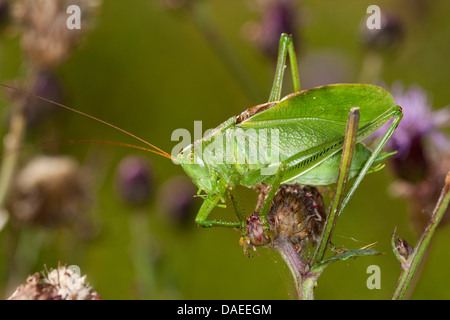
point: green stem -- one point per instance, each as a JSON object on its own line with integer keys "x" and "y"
{"x": 12, "y": 143}
{"x": 304, "y": 280}
{"x": 307, "y": 289}
{"x": 203, "y": 22}
{"x": 296, "y": 265}
{"x": 371, "y": 67}
{"x": 141, "y": 252}
{"x": 422, "y": 244}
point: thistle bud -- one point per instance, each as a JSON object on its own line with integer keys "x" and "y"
{"x": 276, "y": 17}
{"x": 176, "y": 199}
{"x": 390, "y": 33}
{"x": 45, "y": 83}
{"x": 403, "y": 248}
{"x": 257, "y": 236}
{"x": 134, "y": 180}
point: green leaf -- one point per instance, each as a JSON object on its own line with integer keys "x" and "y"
{"x": 342, "y": 257}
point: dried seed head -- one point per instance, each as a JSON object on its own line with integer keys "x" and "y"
{"x": 46, "y": 38}
{"x": 49, "y": 191}
{"x": 297, "y": 214}
{"x": 59, "y": 284}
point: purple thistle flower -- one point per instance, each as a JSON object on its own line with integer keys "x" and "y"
{"x": 418, "y": 133}
{"x": 45, "y": 83}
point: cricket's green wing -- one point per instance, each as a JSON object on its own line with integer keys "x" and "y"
{"x": 326, "y": 172}
{"x": 310, "y": 120}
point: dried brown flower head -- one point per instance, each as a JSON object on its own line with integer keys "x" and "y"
{"x": 46, "y": 38}
{"x": 297, "y": 215}
{"x": 49, "y": 191}
{"x": 58, "y": 284}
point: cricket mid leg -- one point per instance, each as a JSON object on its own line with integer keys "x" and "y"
{"x": 237, "y": 204}
{"x": 286, "y": 47}
{"x": 208, "y": 205}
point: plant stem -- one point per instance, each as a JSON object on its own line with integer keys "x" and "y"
{"x": 296, "y": 264}
{"x": 372, "y": 65}
{"x": 12, "y": 143}
{"x": 203, "y": 22}
{"x": 142, "y": 251}
{"x": 305, "y": 281}
{"x": 306, "y": 291}
{"x": 423, "y": 242}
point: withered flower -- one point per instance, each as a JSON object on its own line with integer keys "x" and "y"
{"x": 58, "y": 284}
{"x": 49, "y": 191}
{"x": 297, "y": 214}
{"x": 46, "y": 38}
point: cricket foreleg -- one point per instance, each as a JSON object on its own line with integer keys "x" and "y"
{"x": 208, "y": 205}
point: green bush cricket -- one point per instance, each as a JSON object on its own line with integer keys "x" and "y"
{"x": 311, "y": 127}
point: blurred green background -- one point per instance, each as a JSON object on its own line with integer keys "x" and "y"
{"x": 150, "y": 69}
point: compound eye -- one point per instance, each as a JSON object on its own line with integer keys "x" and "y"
{"x": 191, "y": 157}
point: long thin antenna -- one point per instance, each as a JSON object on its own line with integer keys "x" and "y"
{"x": 114, "y": 143}
{"x": 161, "y": 152}
{"x": 88, "y": 141}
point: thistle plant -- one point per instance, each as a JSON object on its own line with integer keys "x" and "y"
{"x": 291, "y": 219}
{"x": 62, "y": 283}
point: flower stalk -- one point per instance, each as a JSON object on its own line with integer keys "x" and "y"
{"x": 409, "y": 267}
{"x": 12, "y": 143}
